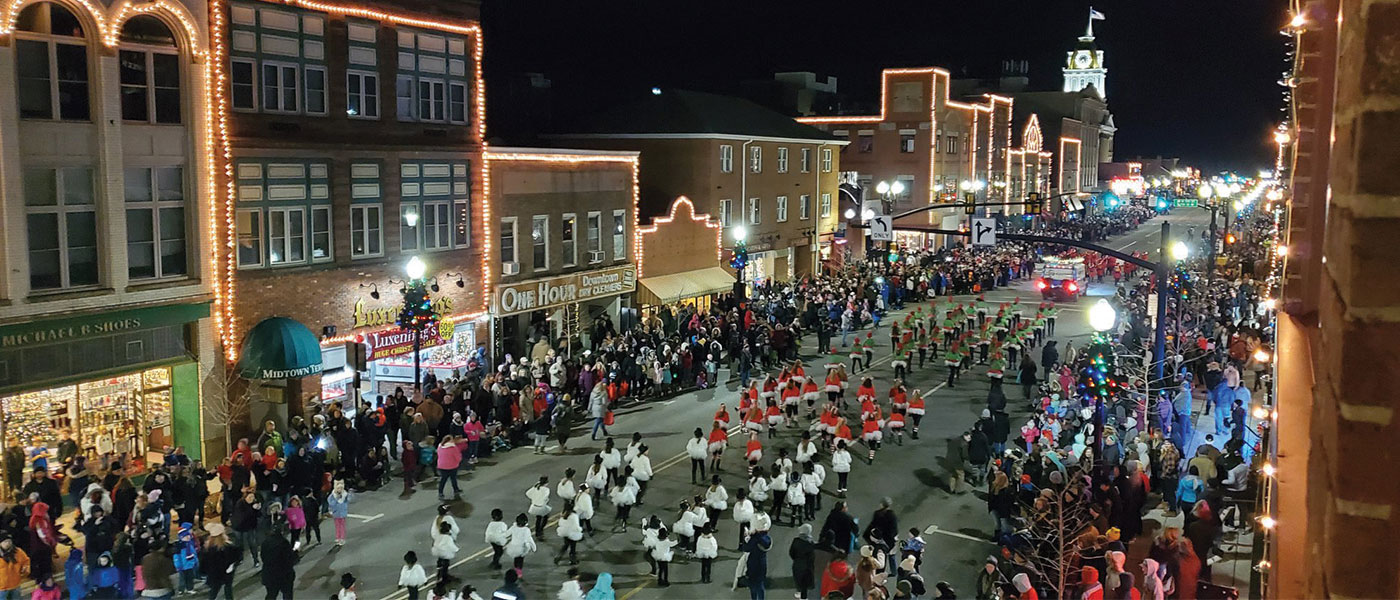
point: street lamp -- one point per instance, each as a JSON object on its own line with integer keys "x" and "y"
{"x": 888, "y": 191}
{"x": 740, "y": 261}
{"x": 1180, "y": 251}
{"x": 417, "y": 314}
{"x": 850, "y": 213}
{"x": 1102, "y": 316}
{"x": 1203, "y": 191}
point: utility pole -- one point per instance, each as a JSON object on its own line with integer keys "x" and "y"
{"x": 1210, "y": 252}
{"x": 1163, "y": 270}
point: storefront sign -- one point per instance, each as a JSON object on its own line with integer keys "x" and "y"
{"x": 367, "y": 316}
{"x": 565, "y": 289}
{"x": 394, "y": 342}
{"x": 108, "y": 323}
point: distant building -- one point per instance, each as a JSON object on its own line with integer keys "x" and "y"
{"x": 741, "y": 163}
{"x": 795, "y": 93}
{"x": 1084, "y": 66}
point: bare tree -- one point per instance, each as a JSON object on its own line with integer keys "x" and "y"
{"x": 1053, "y": 533}
{"x": 227, "y": 398}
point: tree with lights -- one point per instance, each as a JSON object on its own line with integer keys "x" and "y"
{"x": 417, "y": 314}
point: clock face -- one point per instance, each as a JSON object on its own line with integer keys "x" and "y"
{"x": 1081, "y": 60}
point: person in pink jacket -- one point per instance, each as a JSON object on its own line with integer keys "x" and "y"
{"x": 449, "y": 458}
{"x": 474, "y": 431}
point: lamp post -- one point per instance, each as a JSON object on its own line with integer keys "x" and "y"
{"x": 740, "y": 261}
{"x": 1205, "y": 192}
{"x": 888, "y": 191}
{"x": 1102, "y": 318}
{"x": 417, "y": 313}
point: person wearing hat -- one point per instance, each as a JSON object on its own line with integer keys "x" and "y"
{"x": 1026, "y": 591}
{"x": 988, "y": 579}
{"x": 347, "y": 587}
{"x": 1089, "y": 586}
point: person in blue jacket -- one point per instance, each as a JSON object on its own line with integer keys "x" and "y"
{"x": 186, "y": 557}
{"x": 74, "y": 576}
{"x": 103, "y": 580}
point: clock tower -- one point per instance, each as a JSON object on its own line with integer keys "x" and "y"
{"x": 1084, "y": 66}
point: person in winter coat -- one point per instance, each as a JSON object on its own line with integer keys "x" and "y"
{"x": 1152, "y": 587}
{"x": 497, "y": 536}
{"x": 841, "y": 465}
{"x": 707, "y": 550}
{"x": 756, "y": 567}
{"x": 185, "y": 554}
{"x": 411, "y": 575}
{"x": 279, "y": 562}
{"x": 338, "y": 506}
{"x": 802, "y": 552}
{"x": 449, "y": 459}
{"x": 840, "y": 528}
{"x": 1089, "y": 586}
{"x": 75, "y": 575}
{"x": 100, "y": 532}
{"x": 218, "y": 560}
{"x": 1119, "y": 584}
{"x": 520, "y": 542}
{"x": 14, "y": 567}
{"x": 444, "y": 536}
{"x": 602, "y": 588}
{"x": 570, "y": 531}
{"x": 598, "y": 408}
{"x": 696, "y": 448}
{"x": 988, "y": 580}
{"x": 838, "y": 578}
{"x": 1022, "y": 583}
{"x": 662, "y": 551}
{"x": 642, "y": 471}
{"x": 157, "y": 570}
{"x": 103, "y": 579}
{"x": 538, "y": 496}
{"x": 43, "y": 539}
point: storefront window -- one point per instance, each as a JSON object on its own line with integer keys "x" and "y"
{"x": 126, "y": 414}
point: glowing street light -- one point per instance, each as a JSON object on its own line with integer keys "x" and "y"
{"x": 1102, "y": 316}
{"x": 1180, "y": 251}
{"x": 740, "y": 233}
{"x": 1204, "y": 192}
{"x": 415, "y": 268}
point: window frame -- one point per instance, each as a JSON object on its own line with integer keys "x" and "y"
{"x": 568, "y": 222}
{"x": 433, "y": 102}
{"x": 255, "y": 89}
{"x": 826, "y": 160}
{"x": 51, "y": 42}
{"x": 806, "y": 160}
{"x": 153, "y": 206}
{"x": 782, "y": 208}
{"x": 726, "y": 207}
{"x": 364, "y": 224}
{"x": 756, "y": 159}
{"x": 825, "y": 208}
{"x": 280, "y": 65}
{"x": 593, "y": 235}
{"x": 306, "y": 90}
{"x": 726, "y": 158}
{"x": 755, "y": 211}
{"x": 430, "y": 207}
{"x": 260, "y": 239}
{"x": 782, "y": 159}
{"x": 365, "y": 93}
{"x": 619, "y": 249}
{"x": 61, "y": 210}
{"x": 287, "y": 222}
{"x": 311, "y": 234}
{"x": 513, "y": 227}
{"x": 804, "y": 207}
{"x": 907, "y": 143}
{"x": 148, "y": 53}
{"x": 417, "y": 226}
{"x": 541, "y": 223}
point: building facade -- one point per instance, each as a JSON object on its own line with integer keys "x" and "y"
{"x": 939, "y": 149}
{"x": 351, "y": 142}
{"x": 563, "y": 252}
{"x": 106, "y": 288}
{"x": 744, "y": 164}
{"x": 677, "y": 261}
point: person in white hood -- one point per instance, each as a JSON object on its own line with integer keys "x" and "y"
{"x": 539, "y": 504}
{"x": 520, "y": 542}
{"x": 1152, "y": 581}
{"x": 571, "y": 589}
{"x": 95, "y": 495}
{"x": 1022, "y": 582}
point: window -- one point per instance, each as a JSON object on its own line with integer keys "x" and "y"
{"x": 595, "y": 239}
{"x": 279, "y": 87}
{"x": 284, "y": 215}
{"x": 826, "y": 160}
{"x": 508, "y": 251}
{"x": 437, "y": 225}
{"x": 804, "y": 207}
{"x": 433, "y": 81}
{"x": 755, "y": 212}
{"x": 362, "y": 94}
{"x": 906, "y": 142}
{"x": 826, "y": 206}
{"x": 806, "y": 160}
{"x": 725, "y": 206}
{"x": 726, "y": 158}
{"x": 782, "y": 209}
{"x": 366, "y": 230}
{"x": 539, "y": 241}
{"x": 61, "y": 223}
{"x": 277, "y": 60}
{"x": 150, "y": 84}
{"x": 286, "y": 235}
{"x": 865, "y": 143}
{"x": 438, "y": 193}
{"x": 243, "y": 95}
{"x": 155, "y": 222}
{"x": 619, "y": 234}
{"x": 782, "y": 160}
{"x": 952, "y": 144}
{"x": 756, "y": 159}
{"x": 51, "y": 64}
{"x": 568, "y": 233}
{"x": 432, "y": 100}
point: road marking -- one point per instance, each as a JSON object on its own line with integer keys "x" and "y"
{"x": 932, "y": 529}
{"x": 934, "y": 389}
{"x": 1130, "y": 244}
{"x": 633, "y": 591}
{"x": 365, "y": 518}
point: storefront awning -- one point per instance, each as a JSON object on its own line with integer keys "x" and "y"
{"x": 280, "y": 348}
{"x": 665, "y": 289}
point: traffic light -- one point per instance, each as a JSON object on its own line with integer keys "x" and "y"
{"x": 970, "y": 203}
{"x": 1033, "y": 202}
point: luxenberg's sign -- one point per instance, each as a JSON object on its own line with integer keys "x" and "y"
{"x": 557, "y": 291}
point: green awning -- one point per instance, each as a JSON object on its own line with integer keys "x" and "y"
{"x": 280, "y": 348}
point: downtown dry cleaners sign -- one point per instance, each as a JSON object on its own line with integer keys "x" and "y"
{"x": 514, "y": 298}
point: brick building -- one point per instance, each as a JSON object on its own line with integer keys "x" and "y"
{"x": 351, "y": 141}
{"x": 562, "y": 250}
{"x": 939, "y": 148}
{"x": 743, "y": 163}
{"x": 677, "y": 262}
{"x": 105, "y": 288}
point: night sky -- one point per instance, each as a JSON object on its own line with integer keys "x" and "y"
{"x": 1188, "y": 78}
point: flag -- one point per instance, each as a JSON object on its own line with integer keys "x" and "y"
{"x": 1095, "y": 15}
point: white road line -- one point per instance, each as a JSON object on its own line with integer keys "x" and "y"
{"x": 365, "y": 518}
{"x": 932, "y": 529}
{"x": 1130, "y": 244}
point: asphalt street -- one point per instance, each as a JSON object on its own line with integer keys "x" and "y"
{"x": 383, "y": 525}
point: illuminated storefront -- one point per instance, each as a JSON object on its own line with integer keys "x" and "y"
{"x": 562, "y": 306}
{"x": 120, "y": 383}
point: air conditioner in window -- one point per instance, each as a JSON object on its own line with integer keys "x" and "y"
{"x": 595, "y": 256}
{"x": 510, "y": 268}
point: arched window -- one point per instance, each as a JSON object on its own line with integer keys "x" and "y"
{"x": 150, "y": 71}
{"x": 51, "y": 61}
